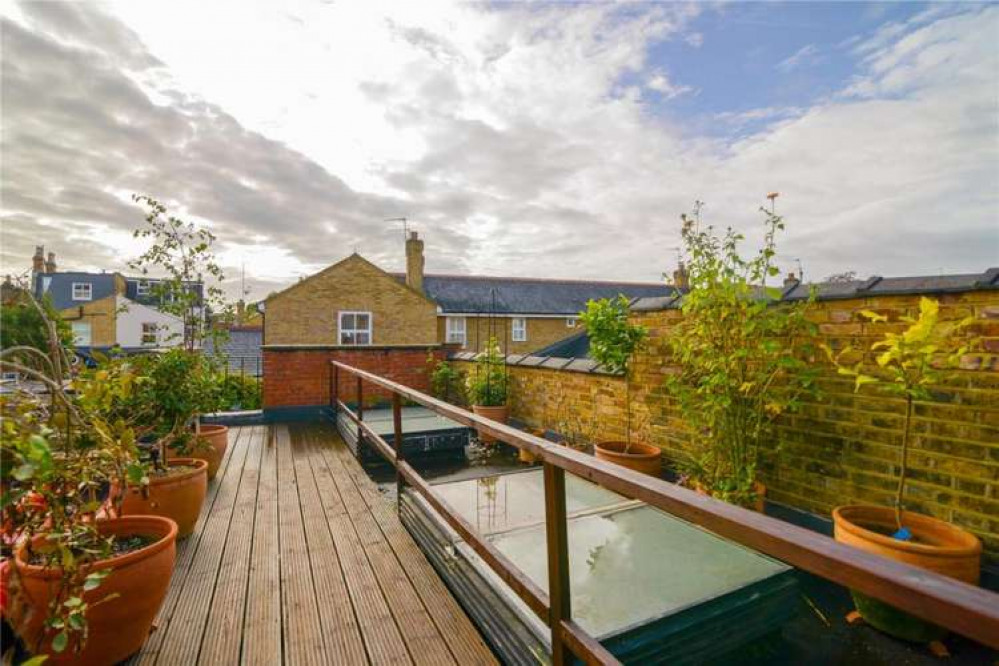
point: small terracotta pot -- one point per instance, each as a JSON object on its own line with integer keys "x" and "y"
{"x": 178, "y": 497}
{"x": 499, "y": 413}
{"x": 211, "y": 448}
{"x": 758, "y": 504}
{"x": 936, "y": 546}
{"x": 640, "y": 457}
{"x": 118, "y": 627}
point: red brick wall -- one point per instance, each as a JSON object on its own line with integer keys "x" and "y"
{"x": 301, "y": 377}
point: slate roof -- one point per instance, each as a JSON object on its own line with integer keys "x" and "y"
{"x": 243, "y": 350}
{"x": 59, "y": 287}
{"x": 475, "y": 294}
{"x": 576, "y": 345}
{"x": 869, "y": 288}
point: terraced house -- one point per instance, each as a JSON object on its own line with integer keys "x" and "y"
{"x": 106, "y": 310}
{"x": 386, "y": 320}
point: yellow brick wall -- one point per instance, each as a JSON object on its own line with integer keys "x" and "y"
{"x": 306, "y": 313}
{"x": 841, "y": 449}
{"x": 541, "y": 332}
{"x": 101, "y": 315}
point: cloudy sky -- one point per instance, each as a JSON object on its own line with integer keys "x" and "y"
{"x": 534, "y": 140}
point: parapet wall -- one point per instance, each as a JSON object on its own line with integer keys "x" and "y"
{"x": 841, "y": 449}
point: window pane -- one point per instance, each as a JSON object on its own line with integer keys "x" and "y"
{"x": 362, "y": 322}
{"x": 347, "y": 321}
{"x": 347, "y": 338}
{"x": 363, "y": 339}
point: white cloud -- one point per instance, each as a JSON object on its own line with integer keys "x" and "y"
{"x": 806, "y": 55}
{"x": 661, "y": 83}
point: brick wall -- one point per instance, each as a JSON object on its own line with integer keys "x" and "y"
{"x": 841, "y": 449}
{"x": 541, "y": 332}
{"x": 306, "y": 313}
{"x": 102, "y": 317}
{"x": 300, "y": 377}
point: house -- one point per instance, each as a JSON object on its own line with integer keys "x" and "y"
{"x": 355, "y": 303}
{"x": 391, "y": 322}
{"x": 106, "y": 309}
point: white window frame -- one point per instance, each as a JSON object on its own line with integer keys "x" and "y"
{"x": 86, "y": 291}
{"x": 155, "y": 334}
{"x": 518, "y": 329}
{"x": 77, "y": 340}
{"x": 571, "y": 322}
{"x": 142, "y": 288}
{"x": 341, "y": 329}
{"x": 456, "y": 330}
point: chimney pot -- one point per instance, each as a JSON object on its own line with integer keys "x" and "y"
{"x": 38, "y": 261}
{"x": 414, "y": 262}
{"x": 50, "y": 265}
{"x": 790, "y": 280}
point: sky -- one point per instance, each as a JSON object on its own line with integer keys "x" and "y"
{"x": 535, "y": 140}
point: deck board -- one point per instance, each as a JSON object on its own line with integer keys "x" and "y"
{"x": 297, "y": 559}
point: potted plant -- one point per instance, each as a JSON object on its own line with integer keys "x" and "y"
{"x": 190, "y": 289}
{"x": 907, "y": 365}
{"x": 613, "y": 341}
{"x": 742, "y": 360}
{"x": 77, "y": 589}
{"x": 169, "y": 398}
{"x": 487, "y": 387}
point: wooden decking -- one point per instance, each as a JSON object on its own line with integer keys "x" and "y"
{"x": 297, "y": 559}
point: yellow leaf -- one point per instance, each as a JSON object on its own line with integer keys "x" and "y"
{"x": 873, "y": 316}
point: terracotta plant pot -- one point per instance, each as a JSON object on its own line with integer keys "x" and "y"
{"x": 936, "y": 545}
{"x": 211, "y": 448}
{"x": 640, "y": 457}
{"x": 499, "y": 413}
{"x": 178, "y": 496}
{"x": 758, "y": 504}
{"x": 118, "y": 627}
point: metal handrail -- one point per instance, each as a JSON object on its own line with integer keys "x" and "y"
{"x": 949, "y": 603}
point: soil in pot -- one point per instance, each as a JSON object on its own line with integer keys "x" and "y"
{"x": 936, "y": 545}
{"x": 499, "y": 413}
{"x": 177, "y": 494}
{"x": 640, "y": 457}
{"x": 118, "y": 627}
{"x": 209, "y": 446}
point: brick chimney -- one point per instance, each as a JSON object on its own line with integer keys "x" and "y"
{"x": 414, "y": 262}
{"x": 681, "y": 279}
{"x": 50, "y": 264}
{"x": 38, "y": 261}
{"x": 790, "y": 280}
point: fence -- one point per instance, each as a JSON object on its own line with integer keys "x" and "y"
{"x": 963, "y": 608}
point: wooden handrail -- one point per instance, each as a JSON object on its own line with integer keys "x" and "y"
{"x": 955, "y": 605}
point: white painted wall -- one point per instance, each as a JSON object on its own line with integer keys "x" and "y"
{"x": 131, "y": 317}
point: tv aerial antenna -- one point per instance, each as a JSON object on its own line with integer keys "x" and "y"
{"x": 405, "y": 224}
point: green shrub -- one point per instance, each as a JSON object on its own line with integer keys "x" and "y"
{"x": 487, "y": 383}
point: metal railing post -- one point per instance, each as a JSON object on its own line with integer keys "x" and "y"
{"x": 556, "y": 529}
{"x": 397, "y": 441}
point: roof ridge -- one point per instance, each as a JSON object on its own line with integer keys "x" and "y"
{"x": 550, "y": 280}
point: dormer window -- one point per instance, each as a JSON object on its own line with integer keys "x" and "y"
{"x": 142, "y": 288}
{"x": 83, "y": 291}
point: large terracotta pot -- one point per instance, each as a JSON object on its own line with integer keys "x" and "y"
{"x": 177, "y": 496}
{"x": 211, "y": 448}
{"x": 640, "y": 457}
{"x": 936, "y": 545}
{"x": 500, "y": 413}
{"x": 118, "y": 627}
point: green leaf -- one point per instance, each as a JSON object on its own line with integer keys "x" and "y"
{"x": 60, "y": 641}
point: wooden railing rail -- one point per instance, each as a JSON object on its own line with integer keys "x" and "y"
{"x": 955, "y": 605}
